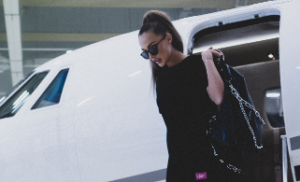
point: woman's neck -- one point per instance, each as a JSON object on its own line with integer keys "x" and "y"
{"x": 175, "y": 57}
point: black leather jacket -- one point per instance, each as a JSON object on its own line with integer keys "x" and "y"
{"x": 232, "y": 128}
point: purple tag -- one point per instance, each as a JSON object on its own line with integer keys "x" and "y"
{"x": 202, "y": 175}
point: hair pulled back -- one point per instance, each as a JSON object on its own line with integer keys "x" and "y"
{"x": 160, "y": 23}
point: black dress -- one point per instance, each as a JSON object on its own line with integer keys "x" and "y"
{"x": 186, "y": 108}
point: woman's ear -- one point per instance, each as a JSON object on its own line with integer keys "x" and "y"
{"x": 169, "y": 38}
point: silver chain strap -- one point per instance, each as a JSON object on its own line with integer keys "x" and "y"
{"x": 241, "y": 102}
{"x": 235, "y": 169}
{"x": 229, "y": 166}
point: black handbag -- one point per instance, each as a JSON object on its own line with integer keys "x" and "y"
{"x": 235, "y": 132}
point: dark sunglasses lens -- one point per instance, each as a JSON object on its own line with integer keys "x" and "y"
{"x": 145, "y": 55}
{"x": 153, "y": 50}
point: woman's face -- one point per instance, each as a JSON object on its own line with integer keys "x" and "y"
{"x": 149, "y": 39}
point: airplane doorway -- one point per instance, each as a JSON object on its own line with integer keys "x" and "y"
{"x": 252, "y": 48}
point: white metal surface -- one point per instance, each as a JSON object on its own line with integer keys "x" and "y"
{"x": 290, "y": 74}
{"x": 284, "y": 159}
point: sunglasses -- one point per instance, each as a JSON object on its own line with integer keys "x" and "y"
{"x": 152, "y": 50}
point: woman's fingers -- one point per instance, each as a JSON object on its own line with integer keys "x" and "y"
{"x": 214, "y": 53}
{"x": 219, "y": 51}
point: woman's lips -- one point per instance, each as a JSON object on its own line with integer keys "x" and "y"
{"x": 157, "y": 61}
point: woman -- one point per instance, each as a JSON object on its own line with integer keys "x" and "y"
{"x": 189, "y": 89}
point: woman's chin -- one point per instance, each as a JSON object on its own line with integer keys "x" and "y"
{"x": 160, "y": 64}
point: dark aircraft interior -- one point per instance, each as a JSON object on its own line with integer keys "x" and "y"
{"x": 252, "y": 48}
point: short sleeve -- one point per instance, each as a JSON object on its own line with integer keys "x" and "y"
{"x": 199, "y": 70}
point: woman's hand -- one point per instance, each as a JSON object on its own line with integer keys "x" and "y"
{"x": 212, "y": 54}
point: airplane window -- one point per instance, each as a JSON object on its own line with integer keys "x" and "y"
{"x": 53, "y": 93}
{"x": 16, "y": 86}
{"x": 273, "y": 106}
{"x": 15, "y": 102}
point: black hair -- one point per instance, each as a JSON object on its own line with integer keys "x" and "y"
{"x": 160, "y": 24}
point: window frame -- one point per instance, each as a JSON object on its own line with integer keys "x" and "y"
{"x": 25, "y": 81}
{"x": 265, "y": 111}
{"x": 52, "y": 75}
{"x": 14, "y": 90}
{"x": 48, "y": 86}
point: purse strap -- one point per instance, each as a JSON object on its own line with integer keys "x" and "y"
{"x": 241, "y": 103}
{"x": 224, "y": 162}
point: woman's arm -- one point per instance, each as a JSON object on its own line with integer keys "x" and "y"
{"x": 215, "y": 87}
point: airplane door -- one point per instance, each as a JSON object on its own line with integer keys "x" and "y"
{"x": 262, "y": 73}
{"x": 290, "y": 76}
